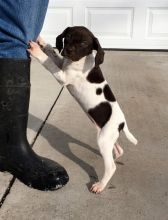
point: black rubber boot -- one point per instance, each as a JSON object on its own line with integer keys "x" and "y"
{"x": 16, "y": 155}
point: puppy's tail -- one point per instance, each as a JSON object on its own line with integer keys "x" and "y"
{"x": 129, "y": 135}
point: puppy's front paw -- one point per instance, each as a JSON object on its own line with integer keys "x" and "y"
{"x": 97, "y": 187}
{"x": 41, "y": 41}
{"x": 36, "y": 52}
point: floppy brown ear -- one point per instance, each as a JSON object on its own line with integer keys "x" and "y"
{"x": 59, "y": 39}
{"x": 99, "y": 58}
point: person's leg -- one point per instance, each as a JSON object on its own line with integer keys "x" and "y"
{"x": 21, "y": 21}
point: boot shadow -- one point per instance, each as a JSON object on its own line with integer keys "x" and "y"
{"x": 60, "y": 141}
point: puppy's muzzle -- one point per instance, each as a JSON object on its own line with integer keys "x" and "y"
{"x": 69, "y": 53}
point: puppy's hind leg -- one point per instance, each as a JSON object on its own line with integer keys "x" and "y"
{"x": 106, "y": 144}
{"x": 117, "y": 151}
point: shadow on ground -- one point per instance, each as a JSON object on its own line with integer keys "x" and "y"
{"x": 52, "y": 134}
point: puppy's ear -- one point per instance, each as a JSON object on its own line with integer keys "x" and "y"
{"x": 59, "y": 39}
{"x": 100, "y": 53}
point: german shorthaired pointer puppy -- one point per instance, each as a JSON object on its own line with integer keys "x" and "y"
{"x": 78, "y": 69}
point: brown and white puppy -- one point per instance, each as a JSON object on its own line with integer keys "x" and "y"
{"x": 78, "y": 69}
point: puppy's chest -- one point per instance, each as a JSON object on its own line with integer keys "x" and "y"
{"x": 74, "y": 74}
{"x": 75, "y": 77}
{"x": 80, "y": 88}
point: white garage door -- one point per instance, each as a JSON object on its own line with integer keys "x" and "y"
{"x": 139, "y": 24}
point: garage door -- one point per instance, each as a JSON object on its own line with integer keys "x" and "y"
{"x": 136, "y": 24}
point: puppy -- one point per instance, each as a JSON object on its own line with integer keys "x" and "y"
{"x": 79, "y": 70}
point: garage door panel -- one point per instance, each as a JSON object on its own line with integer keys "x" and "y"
{"x": 56, "y": 21}
{"x": 116, "y": 23}
{"x": 157, "y": 23}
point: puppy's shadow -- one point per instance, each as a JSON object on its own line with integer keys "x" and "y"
{"x": 60, "y": 141}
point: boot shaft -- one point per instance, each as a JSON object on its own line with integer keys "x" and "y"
{"x": 14, "y": 89}
{"x": 14, "y": 100}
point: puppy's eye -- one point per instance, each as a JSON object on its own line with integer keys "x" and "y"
{"x": 84, "y": 44}
{"x": 68, "y": 36}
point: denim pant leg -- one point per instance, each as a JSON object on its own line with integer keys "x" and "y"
{"x": 20, "y": 22}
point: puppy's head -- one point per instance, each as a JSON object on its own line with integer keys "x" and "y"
{"x": 79, "y": 42}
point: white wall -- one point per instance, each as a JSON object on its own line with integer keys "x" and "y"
{"x": 141, "y": 24}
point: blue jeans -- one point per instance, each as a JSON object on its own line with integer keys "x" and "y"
{"x": 20, "y": 22}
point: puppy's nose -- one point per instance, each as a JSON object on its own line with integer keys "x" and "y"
{"x": 68, "y": 50}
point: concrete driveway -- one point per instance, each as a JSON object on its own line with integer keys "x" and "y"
{"x": 60, "y": 130}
